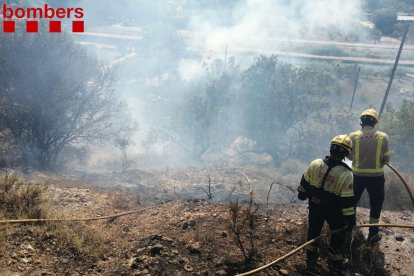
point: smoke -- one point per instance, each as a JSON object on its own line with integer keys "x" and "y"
{"x": 179, "y": 40}
{"x": 259, "y": 25}
{"x": 203, "y": 33}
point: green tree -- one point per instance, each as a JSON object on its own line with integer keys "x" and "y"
{"x": 386, "y": 22}
{"x": 399, "y": 125}
{"x": 202, "y": 121}
{"x": 278, "y": 96}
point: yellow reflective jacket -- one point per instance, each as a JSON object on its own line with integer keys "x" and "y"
{"x": 370, "y": 152}
{"x": 339, "y": 182}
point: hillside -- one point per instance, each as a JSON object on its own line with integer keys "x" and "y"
{"x": 174, "y": 236}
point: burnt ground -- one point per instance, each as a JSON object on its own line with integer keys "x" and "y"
{"x": 181, "y": 234}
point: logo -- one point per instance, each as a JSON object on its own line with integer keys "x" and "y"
{"x": 31, "y": 15}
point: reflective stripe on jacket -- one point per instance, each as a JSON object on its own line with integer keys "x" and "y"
{"x": 338, "y": 182}
{"x": 370, "y": 152}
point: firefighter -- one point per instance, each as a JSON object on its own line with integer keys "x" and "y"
{"x": 370, "y": 153}
{"x": 327, "y": 183}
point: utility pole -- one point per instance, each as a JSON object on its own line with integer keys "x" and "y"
{"x": 225, "y": 57}
{"x": 355, "y": 86}
{"x": 387, "y": 92}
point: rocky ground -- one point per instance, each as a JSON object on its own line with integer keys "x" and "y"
{"x": 177, "y": 235}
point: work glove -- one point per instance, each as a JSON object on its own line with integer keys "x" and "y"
{"x": 302, "y": 196}
{"x": 350, "y": 222}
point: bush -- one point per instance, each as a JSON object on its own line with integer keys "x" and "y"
{"x": 242, "y": 225}
{"x": 19, "y": 199}
{"x": 396, "y": 196}
{"x": 292, "y": 166}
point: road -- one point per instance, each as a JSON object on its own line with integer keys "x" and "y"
{"x": 115, "y": 35}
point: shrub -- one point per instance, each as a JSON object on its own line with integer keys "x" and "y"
{"x": 19, "y": 199}
{"x": 242, "y": 225}
{"x": 396, "y": 196}
{"x": 292, "y": 166}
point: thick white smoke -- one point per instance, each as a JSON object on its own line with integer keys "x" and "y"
{"x": 257, "y": 25}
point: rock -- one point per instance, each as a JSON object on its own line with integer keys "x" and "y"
{"x": 26, "y": 260}
{"x": 132, "y": 263}
{"x": 142, "y": 272}
{"x": 192, "y": 223}
{"x": 289, "y": 241}
{"x": 188, "y": 268}
{"x": 224, "y": 234}
{"x": 399, "y": 238}
{"x": 23, "y": 253}
{"x": 168, "y": 240}
{"x": 155, "y": 238}
{"x": 29, "y": 247}
{"x": 140, "y": 250}
{"x": 184, "y": 260}
{"x": 220, "y": 272}
{"x": 283, "y": 272}
{"x": 211, "y": 256}
{"x": 194, "y": 248}
{"x": 174, "y": 262}
{"x": 219, "y": 261}
{"x": 386, "y": 231}
{"x": 156, "y": 249}
{"x": 184, "y": 226}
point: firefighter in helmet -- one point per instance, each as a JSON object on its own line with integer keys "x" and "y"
{"x": 327, "y": 183}
{"x": 370, "y": 153}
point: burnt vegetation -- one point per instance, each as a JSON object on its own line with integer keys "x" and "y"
{"x": 54, "y": 96}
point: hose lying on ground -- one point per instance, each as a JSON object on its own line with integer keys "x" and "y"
{"x": 11, "y": 221}
{"x": 314, "y": 240}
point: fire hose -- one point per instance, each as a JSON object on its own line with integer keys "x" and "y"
{"x": 245, "y": 273}
{"x": 14, "y": 221}
{"x": 316, "y": 239}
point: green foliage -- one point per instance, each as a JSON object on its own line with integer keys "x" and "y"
{"x": 399, "y": 125}
{"x": 278, "y": 96}
{"x": 204, "y": 117}
{"x": 386, "y": 22}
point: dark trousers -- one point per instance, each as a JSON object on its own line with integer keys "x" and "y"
{"x": 375, "y": 188}
{"x": 318, "y": 214}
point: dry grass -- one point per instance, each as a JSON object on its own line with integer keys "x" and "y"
{"x": 19, "y": 199}
{"x": 396, "y": 195}
{"x": 121, "y": 202}
{"x": 76, "y": 239}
